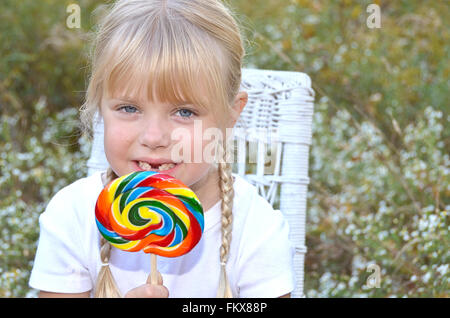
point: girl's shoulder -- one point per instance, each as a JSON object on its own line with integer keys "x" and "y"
{"x": 76, "y": 197}
{"x": 243, "y": 186}
{"x": 249, "y": 204}
{"x": 247, "y": 192}
{"x": 260, "y": 248}
{"x": 89, "y": 186}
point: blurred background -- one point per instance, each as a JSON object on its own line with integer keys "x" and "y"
{"x": 379, "y": 167}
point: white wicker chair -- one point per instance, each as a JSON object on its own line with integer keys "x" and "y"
{"x": 272, "y": 140}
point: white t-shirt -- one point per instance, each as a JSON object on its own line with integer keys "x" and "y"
{"x": 260, "y": 260}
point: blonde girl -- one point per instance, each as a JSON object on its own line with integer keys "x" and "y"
{"x": 159, "y": 66}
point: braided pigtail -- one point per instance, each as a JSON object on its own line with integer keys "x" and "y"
{"x": 227, "y": 195}
{"x": 106, "y": 286}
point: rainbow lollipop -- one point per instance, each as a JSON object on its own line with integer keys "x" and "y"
{"x": 152, "y": 212}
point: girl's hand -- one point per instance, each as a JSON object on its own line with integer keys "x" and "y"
{"x": 149, "y": 291}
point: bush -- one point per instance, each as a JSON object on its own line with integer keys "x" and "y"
{"x": 366, "y": 207}
{"x": 379, "y": 167}
{"x": 41, "y": 71}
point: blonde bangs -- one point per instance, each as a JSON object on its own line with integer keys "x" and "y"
{"x": 168, "y": 64}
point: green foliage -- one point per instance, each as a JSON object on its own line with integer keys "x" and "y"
{"x": 41, "y": 149}
{"x": 381, "y": 115}
{"x": 379, "y": 160}
{"x": 365, "y": 207}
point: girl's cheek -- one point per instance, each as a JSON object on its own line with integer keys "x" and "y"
{"x": 182, "y": 145}
{"x": 195, "y": 149}
{"x": 122, "y": 133}
{"x": 210, "y": 150}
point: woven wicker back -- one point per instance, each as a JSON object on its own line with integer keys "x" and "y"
{"x": 271, "y": 139}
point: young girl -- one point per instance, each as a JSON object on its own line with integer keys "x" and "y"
{"x": 159, "y": 66}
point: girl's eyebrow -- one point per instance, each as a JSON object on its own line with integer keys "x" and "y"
{"x": 183, "y": 103}
{"x": 133, "y": 101}
{"x": 124, "y": 99}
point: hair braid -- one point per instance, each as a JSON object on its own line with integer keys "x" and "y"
{"x": 227, "y": 194}
{"x": 106, "y": 286}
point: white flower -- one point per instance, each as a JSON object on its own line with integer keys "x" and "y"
{"x": 443, "y": 269}
{"x": 426, "y": 277}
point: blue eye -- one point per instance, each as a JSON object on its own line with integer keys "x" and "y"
{"x": 185, "y": 113}
{"x": 128, "y": 109}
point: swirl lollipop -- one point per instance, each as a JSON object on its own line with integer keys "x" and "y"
{"x": 152, "y": 212}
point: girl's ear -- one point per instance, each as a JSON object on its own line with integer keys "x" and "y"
{"x": 239, "y": 103}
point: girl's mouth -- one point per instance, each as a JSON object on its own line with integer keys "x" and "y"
{"x": 165, "y": 167}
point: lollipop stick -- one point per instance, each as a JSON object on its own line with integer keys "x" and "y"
{"x": 154, "y": 270}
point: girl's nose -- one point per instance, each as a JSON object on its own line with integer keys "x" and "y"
{"x": 155, "y": 133}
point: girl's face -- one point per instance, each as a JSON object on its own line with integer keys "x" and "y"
{"x": 150, "y": 135}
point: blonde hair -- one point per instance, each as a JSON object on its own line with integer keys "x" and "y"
{"x": 164, "y": 47}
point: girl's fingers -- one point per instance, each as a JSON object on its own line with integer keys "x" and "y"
{"x": 160, "y": 279}
{"x": 148, "y": 291}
